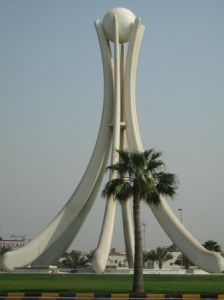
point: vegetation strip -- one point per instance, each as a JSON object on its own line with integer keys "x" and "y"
{"x": 69, "y": 285}
{"x": 64, "y": 295}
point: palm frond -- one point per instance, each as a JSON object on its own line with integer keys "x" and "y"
{"x": 153, "y": 165}
{"x": 123, "y": 191}
{"x": 124, "y": 156}
{"x": 156, "y": 154}
{"x": 110, "y": 187}
{"x": 152, "y": 198}
{"x": 119, "y": 167}
{"x": 148, "y": 153}
{"x": 167, "y": 184}
{"x": 118, "y": 188}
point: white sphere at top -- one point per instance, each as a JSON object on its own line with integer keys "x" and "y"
{"x": 125, "y": 20}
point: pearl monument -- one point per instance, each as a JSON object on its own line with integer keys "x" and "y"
{"x": 120, "y": 35}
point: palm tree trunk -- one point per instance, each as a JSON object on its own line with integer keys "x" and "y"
{"x": 138, "y": 286}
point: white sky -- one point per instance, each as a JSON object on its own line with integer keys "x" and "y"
{"x": 51, "y": 99}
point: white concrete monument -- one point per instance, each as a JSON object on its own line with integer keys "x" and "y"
{"x": 120, "y": 35}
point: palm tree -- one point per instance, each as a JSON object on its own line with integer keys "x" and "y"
{"x": 74, "y": 259}
{"x": 89, "y": 255}
{"x": 160, "y": 255}
{"x": 183, "y": 261}
{"x": 4, "y": 249}
{"x": 212, "y": 246}
{"x": 139, "y": 175}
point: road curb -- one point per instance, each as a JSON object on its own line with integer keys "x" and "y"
{"x": 98, "y": 296}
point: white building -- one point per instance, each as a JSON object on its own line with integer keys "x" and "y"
{"x": 117, "y": 259}
{"x": 14, "y": 242}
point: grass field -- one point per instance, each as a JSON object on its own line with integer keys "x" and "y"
{"x": 203, "y": 284}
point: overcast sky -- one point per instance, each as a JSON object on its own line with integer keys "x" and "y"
{"x": 51, "y": 101}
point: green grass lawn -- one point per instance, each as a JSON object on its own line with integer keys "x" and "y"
{"x": 101, "y": 283}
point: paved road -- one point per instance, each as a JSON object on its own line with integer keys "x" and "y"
{"x": 100, "y": 296}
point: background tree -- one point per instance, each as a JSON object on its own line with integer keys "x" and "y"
{"x": 184, "y": 261}
{"x": 140, "y": 175}
{"x": 74, "y": 259}
{"x": 89, "y": 255}
{"x": 160, "y": 255}
{"x": 4, "y": 249}
{"x": 212, "y": 246}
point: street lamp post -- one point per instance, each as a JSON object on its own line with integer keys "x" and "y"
{"x": 181, "y": 211}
